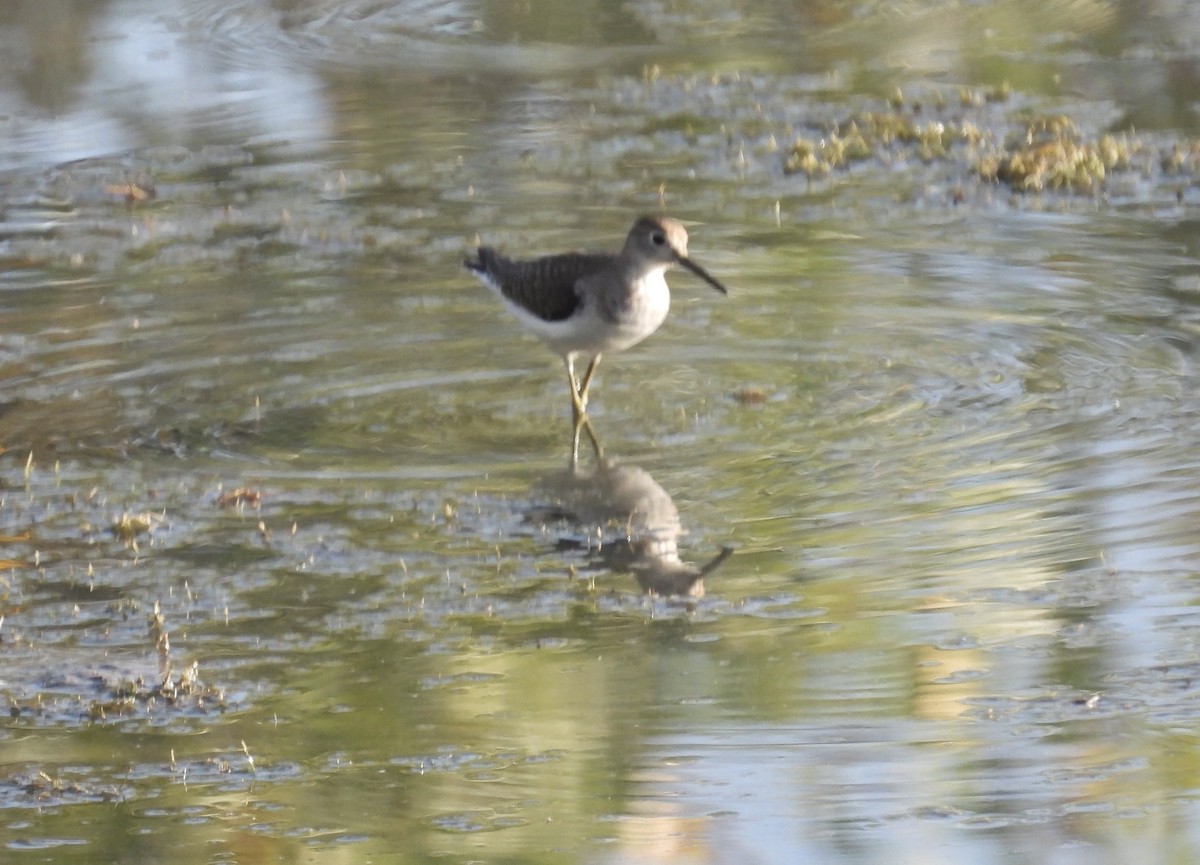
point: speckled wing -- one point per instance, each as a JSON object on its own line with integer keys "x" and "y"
{"x": 544, "y": 287}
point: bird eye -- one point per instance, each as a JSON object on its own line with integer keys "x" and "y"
{"x": 658, "y": 238}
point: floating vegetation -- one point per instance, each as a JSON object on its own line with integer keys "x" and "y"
{"x": 40, "y": 788}
{"x": 98, "y": 697}
{"x": 1053, "y": 154}
{"x": 979, "y": 135}
{"x": 129, "y": 527}
{"x": 873, "y": 135}
{"x": 136, "y": 696}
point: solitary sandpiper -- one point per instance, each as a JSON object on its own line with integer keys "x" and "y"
{"x": 592, "y": 303}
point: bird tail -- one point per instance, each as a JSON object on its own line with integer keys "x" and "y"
{"x": 479, "y": 264}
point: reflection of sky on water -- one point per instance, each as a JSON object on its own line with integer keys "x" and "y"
{"x": 856, "y": 792}
{"x": 141, "y": 82}
{"x": 779, "y": 794}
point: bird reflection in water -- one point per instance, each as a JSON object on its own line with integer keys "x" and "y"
{"x": 629, "y": 523}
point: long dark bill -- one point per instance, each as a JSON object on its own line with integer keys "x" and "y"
{"x": 703, "y": 274}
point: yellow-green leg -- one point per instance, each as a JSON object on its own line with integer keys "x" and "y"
{"x": 579, "y": 398}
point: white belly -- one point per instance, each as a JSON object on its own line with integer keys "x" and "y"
{"x": 606, "y": 322}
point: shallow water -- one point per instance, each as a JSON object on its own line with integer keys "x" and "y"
{"x": 260, "y": 422}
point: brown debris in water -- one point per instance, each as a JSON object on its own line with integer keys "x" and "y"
{"x": 132, "y": 192}
{"x": 239, "y": 497}
{"x": 750, "y": 395}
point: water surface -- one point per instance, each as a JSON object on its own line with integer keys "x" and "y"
{"x": 292, "y": 566}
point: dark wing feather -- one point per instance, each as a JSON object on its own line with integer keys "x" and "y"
{"x": 544, "y": 286}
